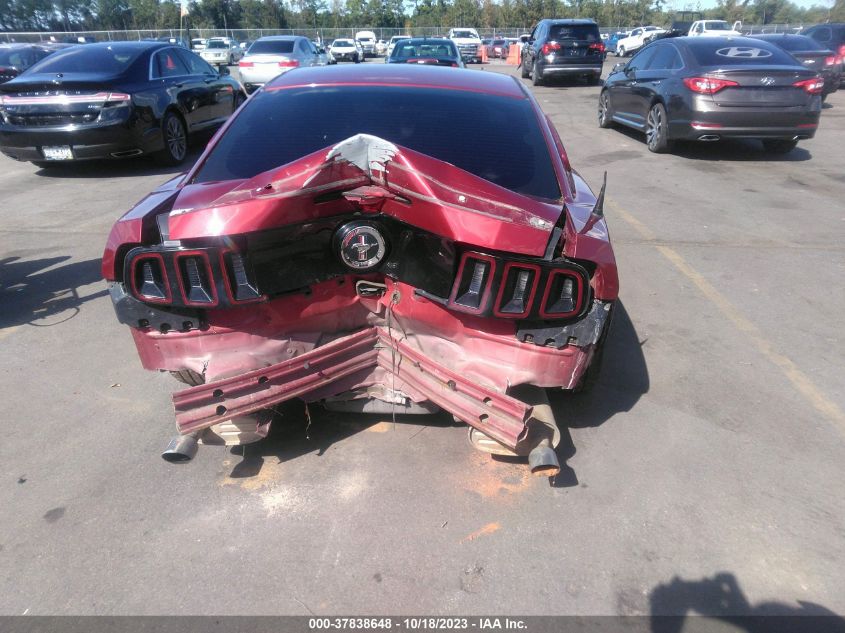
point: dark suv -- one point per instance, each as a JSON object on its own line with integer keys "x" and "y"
{"x": 831, "y": 36}
{"x": 569, "y": 48}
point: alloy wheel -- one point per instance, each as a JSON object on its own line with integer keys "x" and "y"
{"x": 175, "y": 136}
{"x": 654, "y": 128}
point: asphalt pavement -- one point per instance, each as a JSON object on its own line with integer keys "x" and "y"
{"x": 703, "y": 474}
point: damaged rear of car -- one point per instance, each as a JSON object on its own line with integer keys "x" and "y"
{"x": 379, "y": 259}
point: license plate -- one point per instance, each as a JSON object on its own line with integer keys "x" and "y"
{"x": 60, "y": 152}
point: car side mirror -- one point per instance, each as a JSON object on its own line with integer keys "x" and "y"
{"x": 224, "y": 70}
{"x": 617, "y": 67}
{"x": 524, "y": 38}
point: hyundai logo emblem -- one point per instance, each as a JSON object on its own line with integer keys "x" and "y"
{"x": 767, "y": 81}
{"x": 744, "y": 52}
{"x": 360, "y": 246}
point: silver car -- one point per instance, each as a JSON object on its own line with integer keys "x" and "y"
{"x": 269, "y": 57}
{"x": 221, "y": 51}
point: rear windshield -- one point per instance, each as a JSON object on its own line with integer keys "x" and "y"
{"x": 463, "y": 34}
{"x": 585, "y": 32}
{"x": 733, "y": 53}
{"x": 716, "y": 26}
{"x": 465, "y": 129}
{"x": 107, "y": 60}
{"x": 217, "y": 44}
{"x": 498, "y": 42}
{"x": 19, "y": 58}
{"x": 411, "y": 48}
{"x": 263, "y": 47}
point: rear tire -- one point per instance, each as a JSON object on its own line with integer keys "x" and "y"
{"x": 620, "y": 52}
{"x": 536, "y": 76}
{"x": 175, "y": 140}
{"x": 524, "y": 70}
{"x": 238, "y": 101}
{"x": 779, "y": 146}
{"x": 605, "y": 120}
{"x": 189, "y": 377}
{"x": 657, "y": 130}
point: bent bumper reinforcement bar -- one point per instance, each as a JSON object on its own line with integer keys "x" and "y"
{"x": 499, "y": 416}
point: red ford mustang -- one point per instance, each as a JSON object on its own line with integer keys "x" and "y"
{"x": 352, "y": 237}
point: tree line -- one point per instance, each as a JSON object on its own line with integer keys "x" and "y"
{"x": 96, "y": 15}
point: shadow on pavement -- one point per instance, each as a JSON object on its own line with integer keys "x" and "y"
{"x": 297, "y": 431}
{"x": 721, "y": 598}
{"x": 39, "y": 290}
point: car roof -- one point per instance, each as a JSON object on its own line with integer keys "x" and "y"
{"x": 401, "y": 75}
{"x": 569, "y": 21}
{"x": 142, "y": 45}
{"x": 279, "y": 38}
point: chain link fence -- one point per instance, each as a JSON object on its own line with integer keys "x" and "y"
{"x": 322, "y": 34}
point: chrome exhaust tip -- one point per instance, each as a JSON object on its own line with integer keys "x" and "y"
{"x": 708, "y": 137}
{"x": 542, "y": 460}
{"x": 181, "y": 449}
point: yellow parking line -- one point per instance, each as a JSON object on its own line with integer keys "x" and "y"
{"x": 799, "y": 379}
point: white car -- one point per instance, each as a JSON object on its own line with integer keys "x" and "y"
{"x": 381, "y": 47}
{"x": 198, "y": 44}
{"x": 346, "y": 50}
{"x": 269, "y": 57}
{"x": 392, "y": 43}
{"x": 714, "y": 28}
{"x": 221, "y": 51}
{"x": 468, "y": 43}
{"x": 636, "y": 39}
{"x": 367, "y": 39}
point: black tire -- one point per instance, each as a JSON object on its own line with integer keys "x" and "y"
{"x": 605, "y": 120}
{"x": 779, "y": 146}
{"x": 357, "y": 61}
{"x": 238, "y": 100}
{"x": 536, "y": 76}
{"x": 657, "y": 130}
{"x": 620, "y": 52}
{"x": 593, "y": 80}
{"x": 175, "y": 140}
{"x": 524, "y": 71}
{"x": 231, "y": 60}
{"x": 189, "y": 377}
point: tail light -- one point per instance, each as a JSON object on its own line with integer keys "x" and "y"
{"x": 841, "y": 51}
{"x": 563, "y": 295}
{"x": 597, "y": 46}
{"x": 118, "y": 99}
{"x": 517, "y": 290}
{"x": 472, "y": 289}
{"x": 707, "y": 85}
{"x": 812, "y": 86}
{"x": 239, "y": 281}
{"x": 830, "y": 60}
{"x": 149, "y": 279}
{"x": 196, "y": 280}
{"x": 245, "y": 64}
{"x": 288, "y": 63}
{"x": 550, "y": 48}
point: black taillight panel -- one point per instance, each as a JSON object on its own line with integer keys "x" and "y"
{"x": 507, "y": 288}
{"x": 196, "y": 278}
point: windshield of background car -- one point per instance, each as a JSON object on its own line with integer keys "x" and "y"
{"x": 498, "y": 42}
{"x": 19, "y": 58}
{"x": 343, "y": 44}
{"x": 585, "y": 32}
{"x": 466, "y": 129}
{"x": 111, "y": 60}
{"x": 716, "y": 26}
{"x": 464, "y": 34}
{"x": 270, "y": 47}
{"x": 216, "y": 45}
{"x": 410, "y": 48}
{"x": 796, "y": 43}
{"x": 731, "y": 52}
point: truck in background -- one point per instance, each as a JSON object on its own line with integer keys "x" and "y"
{"x": 468, "y": 43}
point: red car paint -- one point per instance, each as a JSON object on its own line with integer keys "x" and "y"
{"x": 334, "y": 338}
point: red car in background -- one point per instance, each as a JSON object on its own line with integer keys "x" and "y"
{"x": 381, "y": 259}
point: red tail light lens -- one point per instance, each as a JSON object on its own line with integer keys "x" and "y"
{"x": 597, "y": 46}
{"x": 549, "y": 48}
{"x": 563, "y": 295}
{"x": 813, "y": 86}
{"x": 707, "y": 85}
{"x": 196, "y": 281}
{"x": 245, "y": 64}
{"x": 830, "y": 61}
{"x": 149, "y": 279}
{"x": 288, "y": 63}
{"x": 841, "y": 51}
{"x": 472, "y": 286}
{"x": 517, "y": 290}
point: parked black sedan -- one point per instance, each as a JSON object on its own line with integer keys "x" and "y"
{"x": 812, "y": 55}
{"x": 709, "y": 88}
{"x": 16, "y": 58}
{"x": 113, "y": 100}
{"x": 427, "y": 51}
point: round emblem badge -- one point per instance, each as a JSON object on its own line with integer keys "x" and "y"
{"x": 360, "y": 245}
